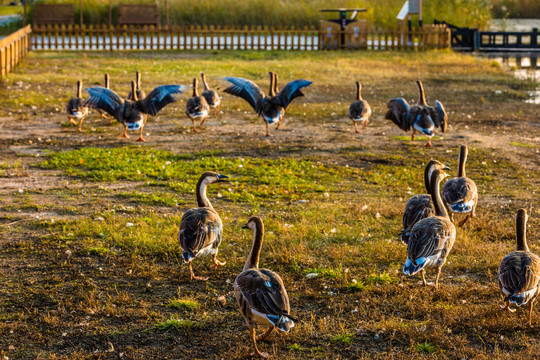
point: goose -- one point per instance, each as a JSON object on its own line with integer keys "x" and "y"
{"x": 211, "y": 96}
{"x": 359, "y": 110}
{"x": 260, "y": 293}
{"x": 75, "y": 108}
{"x": 133, "y": 113}
{"x": 421, "y": 117}
{"x": 270, "y": 107}
{"x": 432, "y": 238}
{"x": 201, "y": 229}
{"x": 196, "y": 106}
{"x": 140, "y": 93}
{"x": 420, "y": 206}
{"x": 460, "y": 194}
{"x": 519, "y": 272}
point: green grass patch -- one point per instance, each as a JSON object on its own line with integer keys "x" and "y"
{"x": 518, "y": 144}
{"x": 329, "y": 273}
{"x": 184, "y": 304}
{"x": 343, "y": 339}
{"x": 253, "y": 180}
{"x": 355, "y": 286}
{"x": 425, "y": 348}
{"x": 175, "y": 324}
{"x": 97, "y": 251}
{"x": 382, "y": 278}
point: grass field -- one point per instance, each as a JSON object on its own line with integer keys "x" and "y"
{"x": 90, "y": 267}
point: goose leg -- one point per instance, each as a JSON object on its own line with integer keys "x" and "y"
{"x": 192, "y": 274}
{"x": 264, "y": 335}
{"x": 530, "y": 311}
{"x": 202, "y": 121}
{"x": 72, "y": 121}
{"x": 424, "y": 277}
{"x": 267, "y": 133}
{"x": 506, "y": 306}
{"x": 124, "y": 134}
{"x": 80, "y": 124}
{"x": 464, "y": 220}
{"x": 439, "y": 268}
{"x": 216, "y": 110}
{"x": 356, "y": 128}
{"x": 254, "y": 340}
{"x": 140, "y": 134}
{"x": 412, "y": 136}
{"x": 365, "y": 124}
{"x": 217, "y": 262}
{"x": 428, "y": 143}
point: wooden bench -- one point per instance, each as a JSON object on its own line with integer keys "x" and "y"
{"x": 129, "y": 14}
{"x": 45, "y": 14}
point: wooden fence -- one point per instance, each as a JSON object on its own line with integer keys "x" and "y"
{"x": 13, "y": 48}
{"x": 126, "y": 37}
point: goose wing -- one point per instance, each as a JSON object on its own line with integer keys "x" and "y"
{"x": 160, "y": 97}
{"x": 438, "y": 114}
{"x": 199, "y": 228}
{"x": 418, "y": 207}
{"x": 104, "y": 99}
{"x": 429, "y": 237}
{"x": 291, "y": 91}
{"x": 399, "y": 112}
{"x": 519, "y": 273}
{"x": 263, "y": 291}
{"x": 246, "y": 90}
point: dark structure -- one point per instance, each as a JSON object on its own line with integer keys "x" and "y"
{"x": 467, "y": 39}
{"x": 47, "y": 14}
{"x": 343, "y": 21}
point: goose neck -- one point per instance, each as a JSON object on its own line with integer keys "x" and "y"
{"x": 521, "y": 231}
{"x": 462, "y": 160}
{"x": 435, "y": 184}
{"x": 253, "y": 258}
{"x": 202, "y": 199}
{"x": 421, "y": 95}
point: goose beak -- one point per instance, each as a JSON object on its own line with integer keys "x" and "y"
{"x": 222, "y": 178}
{"x": 245, "y": 226}
{"x": 445, "y": 167}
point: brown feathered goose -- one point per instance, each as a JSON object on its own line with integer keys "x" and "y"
{"x": 519, "y": 272}
{"x": 359, "y": 110}
{"x": 460, "y": 194}
{"x": 75, "y": 108}
{"x": 132, "y": 113}
{"x": 260, "y": 293}
{"x": 211, "y": 95}
{"x": 196, "y": 106}
{"x": 432, "y": 238}
{"x": 140, "y": 93}
{"x": 201, "y": 229}
{"x": 420, "y": 206}
{"x": 269, "y": 107}
{"x": 420, "y": 117}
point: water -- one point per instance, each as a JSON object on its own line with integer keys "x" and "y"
{"x": 525, "y": 66}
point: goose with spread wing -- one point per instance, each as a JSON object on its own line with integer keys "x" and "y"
{"x": 76, "y": 110}
{"x": 420, "y": 117}
{"x": 269, "y": 107}
{"x": 460, "y": 194}
{"x": 260, "y": 293}
{"x": 201, "y": 229}
{"x": 359, "y": 110}
{"x": 133, "y": 113}
{"x": 420, "y": 206}
{"x": 519, "y": 272}
{"x": 211, "y": 95}
{"x": 432, "y": 238}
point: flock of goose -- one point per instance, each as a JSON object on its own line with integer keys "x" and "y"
{"x": 132, "y": 112}
{"x": 428, "y": 219}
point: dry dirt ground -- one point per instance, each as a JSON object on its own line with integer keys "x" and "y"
{"x": 60, "y": 300}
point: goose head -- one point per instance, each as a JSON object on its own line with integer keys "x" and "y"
{"x": 252, "y": 223}
{"x": 211, "y": 177}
